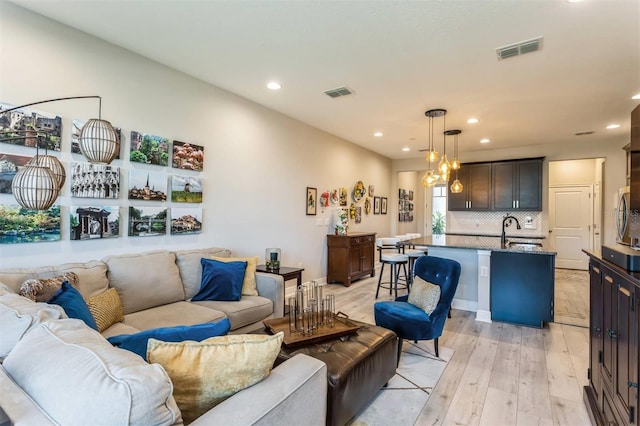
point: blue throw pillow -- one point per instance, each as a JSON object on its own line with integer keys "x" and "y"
{"x": 73, "y": 304}
{"x": 221, "y": 280}
{"x": 137, "y": 342}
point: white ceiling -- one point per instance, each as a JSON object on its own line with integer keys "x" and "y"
{"x": 401, "y": 58}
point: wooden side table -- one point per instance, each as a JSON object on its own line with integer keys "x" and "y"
{"x": 287, "y": 274}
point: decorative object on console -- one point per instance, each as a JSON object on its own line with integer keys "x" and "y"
{"x": 341, "y": 220}
{"x": 272, "y": 258}
{"x": 149, "y": 149}
{"x": 312, "y": 199}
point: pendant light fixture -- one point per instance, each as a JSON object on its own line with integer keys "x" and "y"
{"x": 37, "y": 184}
{"x": 456, "y": 186}
{"x": 432, "y": 177}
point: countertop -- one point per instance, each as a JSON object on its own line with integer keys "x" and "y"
{"x": 482, "y": 242}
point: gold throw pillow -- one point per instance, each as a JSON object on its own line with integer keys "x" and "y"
{"x": 208, "y": 372}
{"x": 106, "y": 309}
{"x": 424, "y": 295}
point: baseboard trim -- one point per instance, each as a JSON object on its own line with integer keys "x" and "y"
{"x": 483, "y": 316}
{"x": 464, "y": 305}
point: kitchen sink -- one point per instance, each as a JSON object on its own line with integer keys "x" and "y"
{"x": 523, "y": 245}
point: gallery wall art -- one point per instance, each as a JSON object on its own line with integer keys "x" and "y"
{"x": 94, "y": 223}
{"x": 148, "y": 186}
{"x": 147, "y": 221}
{"x": 23, "y": 126}
{"x": 95, "y": 181}
{"x": 186, "y": 189}
{"x": 187, "y": 156}
{"x": 76, "y": 126}
{"x": 19, "y": 225}
{"x": 9, "y": 165}
{"x": 149, "y": 149}
{"x": 186, "y": 220}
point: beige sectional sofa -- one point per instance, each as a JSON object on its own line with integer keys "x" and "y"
{"x": 37, "y": 387}
{"x": 155, "y": 288}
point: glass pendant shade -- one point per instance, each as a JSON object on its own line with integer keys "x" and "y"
{"x": 35, "y": 187}
{"x": 429, "y": 179}
{"x": 433, "y": 156}
{"x": 52, "y": 163}
{"x": 98, "y": 141}
{"x": 456, "y": 186}
{"x": 445, "y": 166}
{"x": 455, "y": 164}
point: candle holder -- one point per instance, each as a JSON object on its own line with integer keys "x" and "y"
{"x": 272, "y": 259}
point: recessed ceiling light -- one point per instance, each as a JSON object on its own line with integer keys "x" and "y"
{"x": 485, "y": 140}
{"x": 636, "y": 96}
{"x": 613, "y": 126}
{"x": 406, "y": 149}
{"x": 472, "y": 120}
{"x": 274, "y": 85}
{"x": 574, "y": 1}
{"x": 378, "y": 134}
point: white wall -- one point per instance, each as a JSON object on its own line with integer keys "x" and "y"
{"x": 258, "y": 162}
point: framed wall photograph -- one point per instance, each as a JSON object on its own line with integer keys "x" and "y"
{"x": 95, "y": 180}
{"x": 147, "y": 221}
{"x": 383, "y": 205}
{"x": 186, "y": 189}
{"x": 186, "y": 220}
{"x": 187, "y": 156}
{"x": 376, "y": 205}
{"x": 94, "y": 222}
{"x": 312, "y": 200}
{"x": 24, "y": 126}
{"x": 9, "y": 165}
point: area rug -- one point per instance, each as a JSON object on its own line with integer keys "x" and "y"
{"x": 401, "y": 402}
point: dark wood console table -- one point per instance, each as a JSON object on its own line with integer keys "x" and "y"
{"x": 350, "y": 257}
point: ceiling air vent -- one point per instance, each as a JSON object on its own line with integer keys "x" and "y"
{"x": 521, "y": 48}
{"x": 338, "y": 91}
{"x": 589, "y": 132}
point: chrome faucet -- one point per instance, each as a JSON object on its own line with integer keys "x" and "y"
{"x": 510, "y": 219}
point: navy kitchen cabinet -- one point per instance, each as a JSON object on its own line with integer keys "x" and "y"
{"x": 522, "y": 287}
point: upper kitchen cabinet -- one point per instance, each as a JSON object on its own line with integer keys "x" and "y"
{"x": 517, "y": 185}
{"x": 476, "y": 181}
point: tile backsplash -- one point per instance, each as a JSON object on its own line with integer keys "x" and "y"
{"x": 490, "y": 223}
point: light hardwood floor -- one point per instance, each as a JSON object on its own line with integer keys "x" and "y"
{"x": 500, "y": 374}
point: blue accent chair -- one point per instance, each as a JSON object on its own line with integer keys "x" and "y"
{"x": 411, "y": 322}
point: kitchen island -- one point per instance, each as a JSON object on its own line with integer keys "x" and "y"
{"x": 511, "y": 282}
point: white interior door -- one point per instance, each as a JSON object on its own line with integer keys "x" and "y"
{"x": 570, "y": 224}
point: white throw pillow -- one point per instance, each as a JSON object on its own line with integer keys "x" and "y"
{"x": 18, "y": 315}
{"x": 78, "y": 378}
{"x": 424, "y": 295}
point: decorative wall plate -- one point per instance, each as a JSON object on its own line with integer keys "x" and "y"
{"x": 359, "y": 191}
{"x": 334, "y": 196}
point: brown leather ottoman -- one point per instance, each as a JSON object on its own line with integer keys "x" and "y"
{"x": 358, "y": 366}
